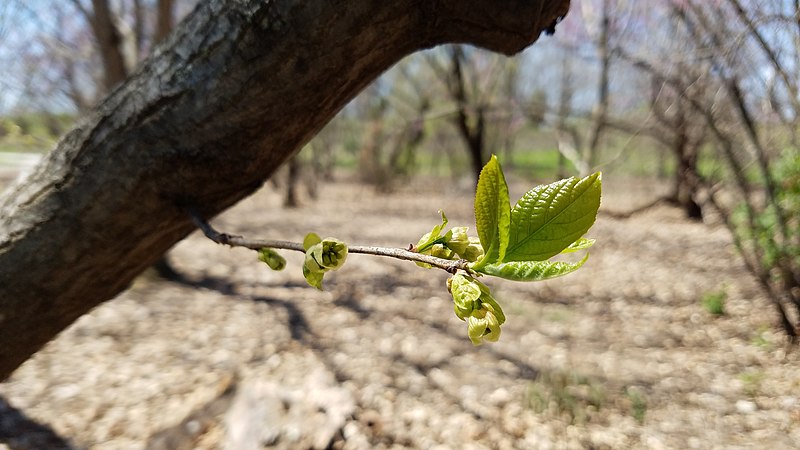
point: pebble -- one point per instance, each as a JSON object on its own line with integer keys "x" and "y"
{"x": 746, "y": 406}
{"x": 789, "y": 403}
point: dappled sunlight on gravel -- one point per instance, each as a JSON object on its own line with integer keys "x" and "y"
{"x": 242, "y": 355}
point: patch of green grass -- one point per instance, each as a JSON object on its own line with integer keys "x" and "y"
{"x": 638, "y": 404}
{"x": 540, "y": 163}
{"x": 557, "y": 315}
{"x": 565, "y": 394}
{"x": 714, "y": 302}
{"x": 752, "y": 382}
{"x": 759, "y": 340}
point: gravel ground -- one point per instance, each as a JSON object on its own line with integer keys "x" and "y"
{"x": 621, "y": 354}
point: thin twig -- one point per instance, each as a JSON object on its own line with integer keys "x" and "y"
{"x": 257, "y": 244}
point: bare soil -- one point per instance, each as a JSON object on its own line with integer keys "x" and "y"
{"x": 621, "y": 354}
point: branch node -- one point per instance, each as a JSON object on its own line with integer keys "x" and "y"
{"x": 208, "y": 230}
{"x": 461, "y": 264}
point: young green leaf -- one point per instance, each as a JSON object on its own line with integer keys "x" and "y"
{"x": 310, "y": 240}
{"x": 428, "y": 240}
{"x": 580, "y": 244}
{"x": 492, "y": 212}
{"x": 547, "y": 219}
{"x": 531, "y": 270}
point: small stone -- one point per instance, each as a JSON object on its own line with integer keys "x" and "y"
{"x": 499, "y": 397}
{"x": 789, "y": 403}
{"x": 746, "y": 406}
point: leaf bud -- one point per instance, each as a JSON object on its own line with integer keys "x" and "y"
{"x": 474, "y": 251}
{"x": 459, "y": 240}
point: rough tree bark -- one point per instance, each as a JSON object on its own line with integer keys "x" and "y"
{"x": 229, "y": 96}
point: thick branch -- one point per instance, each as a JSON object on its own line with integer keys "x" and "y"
{"x": 231, "y": 95}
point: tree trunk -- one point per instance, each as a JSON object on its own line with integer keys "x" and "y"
{"x": 292, "y": 179}
{"x": 236, "y": 90}
{"x": 109, "y": 40}
{"x": 164, "y": 19}
{"x": 600, "y": 110}
{"x": 686, "y": 179}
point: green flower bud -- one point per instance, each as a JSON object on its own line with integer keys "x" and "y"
{"x": 313, "y": 278}
{"x": 271, "y": 258}
{"x": 483, "y": 324}
{"x": 440, "y": 251}
{"x": 334, "y": 253}
{"x": 459, "y": 240}
{"x": 311, "y": 263}
{"x": 474, "y": 251}
{"x": 322, "y": 255}
{"x": 328, "y": 254}
{"x": 473, "y": 303}
{"x": 465, "y": 294}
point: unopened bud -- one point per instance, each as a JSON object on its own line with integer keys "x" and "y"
{"x": 271, "y": 258}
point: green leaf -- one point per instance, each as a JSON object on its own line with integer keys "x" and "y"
{"x": 428, "y": 240}
{"x": 580, "y": 244}
{"x": 547, "y": 219}
{"x": 310, "y": 240}
{"x": 492, "y": 212}
{"x": 531, "y": 270}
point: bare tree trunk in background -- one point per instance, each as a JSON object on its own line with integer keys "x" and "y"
{"x": 401, "y": 159}
{"x": 687, "y": 180}
{"x": 138, "y": 27}
{"x": 109, "y": 40}
{"x": 233, "y": 93}
{"x": 682, "y": 131}
{"x": 600, "y": 110}
{"x": 372, "y": 139}
{"x": 568, "y": 138}
{"x": 292, "y": 178}
{"x": 511, "y": 94}
{"x": 469, "y": 120}
{"x": 164, "y": 19}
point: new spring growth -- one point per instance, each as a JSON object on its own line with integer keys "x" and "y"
{"x": 271, "y": 258}
{"x": 322, "y": 255}
{"x": 474, "y": 304}
{"x": 455, "y": 244}
{"x": 515, "y": 242}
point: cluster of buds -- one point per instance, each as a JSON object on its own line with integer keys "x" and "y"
{"x": 475, "y": 305}
{"x": 322, "y": 255}
{"x": 455, "y": 244}
{"x": 466, "y": 247}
